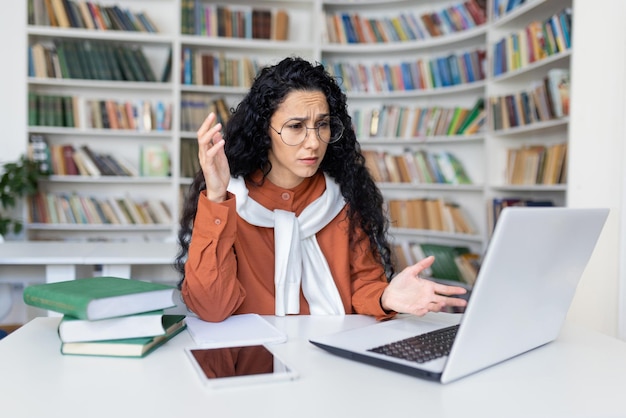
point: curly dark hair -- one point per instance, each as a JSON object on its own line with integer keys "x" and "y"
{"x": 248, "y": 142}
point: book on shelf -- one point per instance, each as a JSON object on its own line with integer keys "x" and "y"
{"x": 559, "y": 87}
{"x": 538, "y": 40}
{"x": 217, "y": 20}
{"x": 496, "y": 205}
{"x": 52, "y": 110}
{"x": 280, "y": 25}
{"x": 408, "y": 253}
{"x": 344, "y": 27}
{"x": 261, "y": 24}
{"x": 39, "y": 152}
{"x": 546, "y": 99}
{"x": 451, "y": 168}
{"x": 90, "y": 59}
{"x": 155, "y": 161}
{"x": 84, "y": 14}
{"x": 76, "y": 209}
{"x": 536, "y": 164}
{"x": 502, "y": 7}
{"x": 422, "y": 74}
{"x": 401, "y": 258}
{"x": 130, "y": 347}
{"x": 475, "y": 113}
{"x": 445, "y": 266}
{"x": 143, "y": 324}
{"x": 469, "y": 266}
{"x": 429, "y": 214}
{"x": 189, "y": 163}
{"x": 416, "y": 167}
{"x": 60, "y": 13}
{"x": 100, "y": 297}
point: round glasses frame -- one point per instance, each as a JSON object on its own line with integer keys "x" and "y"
{"x": 335, "y": 125}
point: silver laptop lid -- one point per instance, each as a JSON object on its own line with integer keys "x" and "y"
{"x": 526, "y": 284}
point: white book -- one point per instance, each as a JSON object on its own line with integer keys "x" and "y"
{"x": 119, "y": 213}
{"x": 156, "y": 208}
{"x": 236, "y": 330}
{"x": 86, "y": 162}
{"x": 147, "y": 324}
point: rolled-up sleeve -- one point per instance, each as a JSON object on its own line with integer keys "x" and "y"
{"x": 211, "y": 288}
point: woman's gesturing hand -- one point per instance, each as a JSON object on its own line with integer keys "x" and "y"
{"x": 213, "y": 159}
{"x": 409, "y": 293}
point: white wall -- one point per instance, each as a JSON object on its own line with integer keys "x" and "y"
{"x": 596, "y": 174}
{"x": 13, "y": 103}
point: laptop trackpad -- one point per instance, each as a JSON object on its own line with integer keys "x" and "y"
{"x": 415, "y": 325}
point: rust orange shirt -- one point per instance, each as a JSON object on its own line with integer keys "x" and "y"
{"x": 230, "y": 265}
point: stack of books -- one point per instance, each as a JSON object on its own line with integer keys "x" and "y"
{"x": 109, "y": 316}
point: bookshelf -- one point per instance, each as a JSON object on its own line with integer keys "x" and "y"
{"x": 398, "y": 117}
{"x": 446, "y": 94}
{"x": 527, "y": 148}
{"x": 152, "y": 178}
{"x": 123, "y": 105}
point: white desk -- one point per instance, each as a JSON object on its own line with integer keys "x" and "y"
{"x": 582, "y": 374}
{"x": 63, "y": 260}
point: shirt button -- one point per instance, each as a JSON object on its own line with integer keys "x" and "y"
{"x": 218, "y": 221}
{"x": 286, "y": 196}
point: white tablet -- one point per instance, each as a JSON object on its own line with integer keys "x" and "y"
{"x": 234, "y": 366}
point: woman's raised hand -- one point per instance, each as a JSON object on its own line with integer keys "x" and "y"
{"x": 213, "y": 159}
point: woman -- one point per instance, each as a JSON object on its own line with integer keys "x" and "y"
{"x": 284, "y": 218}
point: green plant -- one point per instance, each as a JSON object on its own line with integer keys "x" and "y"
{"x": 19, "y": 179}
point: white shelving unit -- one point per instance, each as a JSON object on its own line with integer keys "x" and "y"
{"x": 167, "y": 16}
{"x": 544, "y": 133}
{"x": 468, "y": 149}
{"x": 481, "y": 154}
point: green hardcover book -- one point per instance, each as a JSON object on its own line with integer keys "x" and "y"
{"x": 50, "y": 114}
{"x": 33, "y": 111}
{"x": 124, "y": 64}
{"x": 63, "y": 59}
{"x": 133, "y": 62}
{"x": 75, "y": 66}
{"x": 131, "y": 347}
{"x": 41, "y": 110}
{"x": 100, "y": 297}
{"x": 108, "y": 57}
{"x": 94, "y": 53}
{"x": 88, "y": 69}
{"x": 68, "y": 111}
{"x": 89, "y": 55}
{"x": 444, "y": 266}
{"x": 460, "y": 175}
{"x": 143, "y": 63}
{"x": 57, "y": 110}
{"x": 167, "y": 69}
{"x": 457, "y": 119}
{"x": 473, "y": 114}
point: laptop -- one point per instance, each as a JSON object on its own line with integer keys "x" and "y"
{"x": 519, "y": 301}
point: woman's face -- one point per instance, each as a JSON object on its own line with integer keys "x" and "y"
{"x": 293, "y": 163}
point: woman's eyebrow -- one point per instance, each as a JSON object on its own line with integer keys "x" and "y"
{"x": 305, "y": 118}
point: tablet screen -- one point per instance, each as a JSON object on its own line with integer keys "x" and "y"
{"x": 238, "y": 365}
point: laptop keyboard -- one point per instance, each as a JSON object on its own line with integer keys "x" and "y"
{"x": 421, "y": 348}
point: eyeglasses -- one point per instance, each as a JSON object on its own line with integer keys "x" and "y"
{"x": 294, "y": 132}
